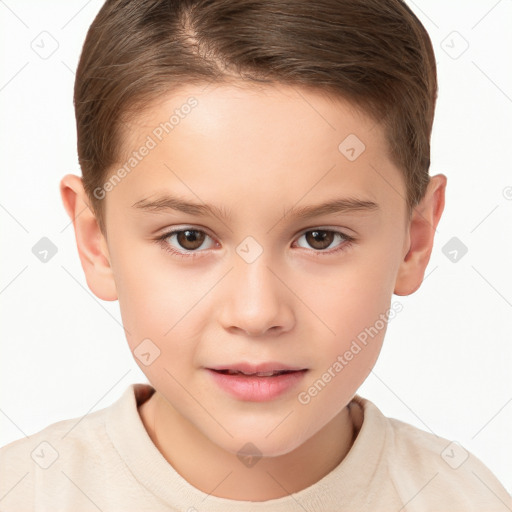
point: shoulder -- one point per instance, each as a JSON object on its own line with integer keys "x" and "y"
{"x": 45, "y": 464}
{"x": 42, "y": 447}
{"x": 39, "y": 451}
{"x": 426, "y": 469}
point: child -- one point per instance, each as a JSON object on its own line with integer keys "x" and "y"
{"x": 291, "y": 139}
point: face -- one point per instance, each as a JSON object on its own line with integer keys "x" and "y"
{"x": 262, "y": 279}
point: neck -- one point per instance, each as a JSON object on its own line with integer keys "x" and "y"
{"x": 219, "y": 473}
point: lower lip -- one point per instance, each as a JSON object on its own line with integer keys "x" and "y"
{"x": 257, "y": 389}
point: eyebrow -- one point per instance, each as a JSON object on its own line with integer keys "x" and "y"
{"x": 341, "y": 205}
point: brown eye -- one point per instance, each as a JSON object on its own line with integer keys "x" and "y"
{"x": 190, "y": 239}
{"x": 320, "y": 239}
{"x": 186, "y": 242}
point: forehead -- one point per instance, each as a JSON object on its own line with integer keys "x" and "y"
{"x": 228, "y": 143}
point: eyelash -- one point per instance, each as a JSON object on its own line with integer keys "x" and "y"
{"x": 162, "y": 241}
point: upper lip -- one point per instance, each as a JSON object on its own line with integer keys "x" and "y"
{"x": 245, "y": 367}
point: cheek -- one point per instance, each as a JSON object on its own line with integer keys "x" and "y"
{"x": 156, "y": 303}
{"x": 353, "y": 294}
{"x": 353, "y": 306}
{"x": 356, "y": 312}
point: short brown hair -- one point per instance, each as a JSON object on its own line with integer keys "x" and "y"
{"x": 374, "y": 53}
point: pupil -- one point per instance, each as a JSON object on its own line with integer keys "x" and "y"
{"x": 319, "y": 239}
{"x": 189, "y": 239}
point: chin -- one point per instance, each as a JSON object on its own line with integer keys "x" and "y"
{"x": 259, "y": 443}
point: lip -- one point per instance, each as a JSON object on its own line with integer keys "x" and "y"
{"x": 252, "y": 388}
{"x": 269, "y": 366}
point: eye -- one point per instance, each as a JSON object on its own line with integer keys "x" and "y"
{"x": 321, "y": 239}
{"x": 190, "y": 240}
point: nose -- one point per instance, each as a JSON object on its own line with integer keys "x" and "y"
{"x": 257, "y": 301}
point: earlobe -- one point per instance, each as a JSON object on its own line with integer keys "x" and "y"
{"x": 424, "y": 221}
{"x": 91, "y": 243}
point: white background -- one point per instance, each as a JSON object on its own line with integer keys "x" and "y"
{"x": 446, "y": 363}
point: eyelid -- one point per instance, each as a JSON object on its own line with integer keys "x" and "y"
{"x": 166, "y": 233}
{"x": 178, "y": 229}
{"x": 339, "y": 229}
{"x": 346, "y": 243}
{"x": 319, "y": 227}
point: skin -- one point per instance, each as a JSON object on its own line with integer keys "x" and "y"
{"x": 257, "y": 152}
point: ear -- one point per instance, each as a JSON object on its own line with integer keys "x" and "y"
{"x": 422, "y": 226}
{"x": 92, "y": 245}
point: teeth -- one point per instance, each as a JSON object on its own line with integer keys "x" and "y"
{"x": 258, "y": 374}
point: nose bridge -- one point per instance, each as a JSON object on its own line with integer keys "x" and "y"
{"x": 256, "y": 300}
{"x": 254, "y": 279}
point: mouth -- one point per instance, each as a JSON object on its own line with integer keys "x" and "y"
{"x": 256, "y": 374}
{"x": 257, "y": 383}
{"x": 264, "y": 369}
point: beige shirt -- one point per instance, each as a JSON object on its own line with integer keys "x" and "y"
{"x": 106, "y": 461}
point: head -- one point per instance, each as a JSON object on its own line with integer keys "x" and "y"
{"x": 262, "y": 110}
